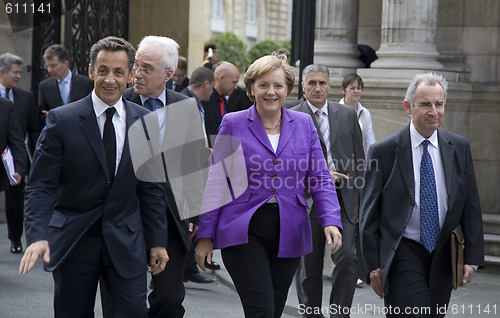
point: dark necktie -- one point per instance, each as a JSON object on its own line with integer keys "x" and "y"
{"x": 429, "y": 217}
{"x": 7, "y": 91}
{"x": 109, "y": 140}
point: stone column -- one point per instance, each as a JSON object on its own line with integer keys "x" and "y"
{"x": 337, "y": 34}
{"x": 408, "y": 35}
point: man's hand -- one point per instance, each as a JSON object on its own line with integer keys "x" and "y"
{"x": 204, "y": 250}
{"x": 158, "y": 258}
{"x": 333, "y": 235}
{"x": 18, "y": 178}
{"x": 337, "y": 176}
{"x": 468, "y": 274}
{"x": 376, "y": 282}
{"x": 32, "y": 253}
{"x": 193, "y": 229}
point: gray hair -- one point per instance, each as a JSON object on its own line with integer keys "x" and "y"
{"x": 8, "y": 59}
{"x": 169, "y": 48}
{"x": 315, "y": 68}
{"x": 429, "y": 79}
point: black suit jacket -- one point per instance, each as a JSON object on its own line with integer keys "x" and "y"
{"x": 69, "y": 189}
{"x": 181, "y": 225}
{"x": 346, "y": 144}
{"x": 388, "y": 198}
{"x": 27, "y": 116}
{"x": 50, "y": 98}
{"x": 238, "y": 100}
{"x": 179, "y": 88}
{"x": 11, "y": 135}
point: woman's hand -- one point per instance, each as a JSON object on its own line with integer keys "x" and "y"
{"x": 204, "y": 250}
{"x": 333, "y": 235}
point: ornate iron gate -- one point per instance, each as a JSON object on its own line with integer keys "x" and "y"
{"x": 85, "y": 22}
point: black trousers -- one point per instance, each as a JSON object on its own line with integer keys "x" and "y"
{"x": 168, "y": 286}
{"x": 261, "y": 278}
{"x": 410, "y": 295}
{"x": 14, "y": 210}
{"x": 75, "y": 283}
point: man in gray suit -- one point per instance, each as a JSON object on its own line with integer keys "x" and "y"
{"x": 420, "y": 185}
{"x": 155, "y": 62}
{"x": 342, "y": 144}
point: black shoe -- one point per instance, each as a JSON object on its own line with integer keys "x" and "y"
{"x": 198, "y": 278}
{"x": 16, "y": 247}
{"x": 214, "y": 266}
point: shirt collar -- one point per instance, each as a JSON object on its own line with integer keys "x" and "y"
{"x": 416, "y": 138}
{"x": 324, "y": 108}
{"x": 67, "y": 79}
{"x": 162, "y": 97}
{"x": 100, "y": 107}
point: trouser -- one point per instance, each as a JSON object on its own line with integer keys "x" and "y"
{"x": 261, "y": 278}
{"x": 14, "y": 210}
{"x": 76, "y": 283}
{"x": 408, "y": 279}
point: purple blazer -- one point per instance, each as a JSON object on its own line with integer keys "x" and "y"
{"x": 298, "y": 162}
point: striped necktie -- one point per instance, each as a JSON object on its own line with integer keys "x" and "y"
{"x": 325, "y": 133}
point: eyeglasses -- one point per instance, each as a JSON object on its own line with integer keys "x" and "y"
{"x": 147, "y": 70}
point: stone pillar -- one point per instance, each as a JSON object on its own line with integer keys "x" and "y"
{"x": 408, "y": 35}
{"x": 337, "y": 34}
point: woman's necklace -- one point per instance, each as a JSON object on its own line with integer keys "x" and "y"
{"x": 275, "y": 126}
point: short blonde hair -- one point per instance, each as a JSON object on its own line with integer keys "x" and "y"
{"x": 265, "y": 64}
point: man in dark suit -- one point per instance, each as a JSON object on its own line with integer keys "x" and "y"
{"x": 10, "y": 135}
{"x": 179, "y": 80}
{"x": 420, "y": 185}
{"x": 226, "y": 77}
{"x": 86, "y": 212}
{"x": 64, "y": 86}
{"x": 342, "y": 144}
{"x": 27, "y": 116}
{"x": 155, "y": 62}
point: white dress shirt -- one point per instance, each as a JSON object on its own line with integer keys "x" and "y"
{"x": 119, "y": 122}
{"x": 413, "y": 228}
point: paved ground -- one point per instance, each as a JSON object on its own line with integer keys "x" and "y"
{"x": 31, "y": 295}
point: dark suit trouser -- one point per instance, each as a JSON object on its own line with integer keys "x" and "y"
{"x": 76, "y": 283}
{"x": 261, "y": 278}
{"x": 309, "y": 278}
{"x": 168, "y": 287}
{"x": 14, "y": 210}
{"x": 408, "y": 282}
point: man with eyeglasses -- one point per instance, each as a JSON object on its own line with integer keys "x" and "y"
{"x": 63, "y": 86}
{"x": 26, "y": 112}
{"x": 155, "y": 63}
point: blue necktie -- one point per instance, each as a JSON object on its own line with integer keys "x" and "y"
{"x": 153, "y": 103}
{"x": 63, "y": 91}
{"x": 429, "y": 217}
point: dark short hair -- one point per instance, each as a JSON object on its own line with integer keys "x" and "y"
{"x": 56, "y": 50}
{"x": 348, "y": 79}
{"x": 182, "y": 63}
{"x": 200, "y": 75}
{"x": 8, "y": 59}
{"x": 113, "y": 44}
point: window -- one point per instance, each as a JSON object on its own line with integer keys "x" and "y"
{"x": 217, "y": 8}
{"x": 251, "y": 10}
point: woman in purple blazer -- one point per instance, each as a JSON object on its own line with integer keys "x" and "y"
{"x": 261, "y": 222}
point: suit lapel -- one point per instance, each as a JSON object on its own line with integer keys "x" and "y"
{"x": 257, "y": 128}
{"x": 287, "y": 129}
{"x": 91, "y": 131}
{"x": 132, "y": 117}
{"x": 447, "y": 152}
{"x": 404, "y": 159}
{"x": 57, "y": 94}
{"x": 334, "y": 121}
